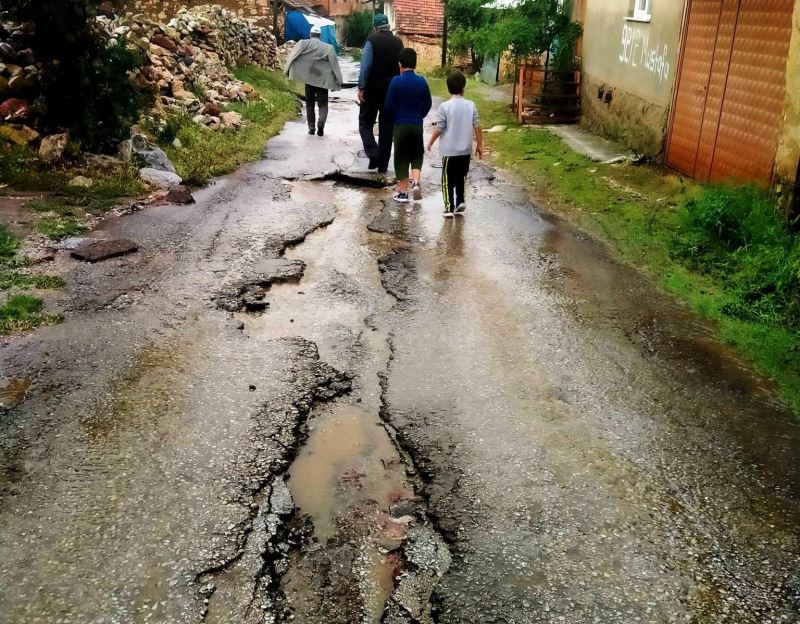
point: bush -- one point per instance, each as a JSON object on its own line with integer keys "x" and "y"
{"x": 738, "y": 235}
{"x": 85, "y": 86}
{"x": 358, "y": 26}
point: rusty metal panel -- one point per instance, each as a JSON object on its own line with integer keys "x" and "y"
{"x": 715, "y": 92}
{"x": 695, "y": 72}
{"x": 752, "y": 108}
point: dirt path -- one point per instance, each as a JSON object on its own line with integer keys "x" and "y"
{"x": 301, "y": 401}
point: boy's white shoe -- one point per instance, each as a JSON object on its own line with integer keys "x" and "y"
{"x": 449, "y": 215}
{"x": 461, "y": 208}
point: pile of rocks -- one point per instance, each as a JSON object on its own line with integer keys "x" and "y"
{"x": 187, "y": 65}
{"x": 19, "y": 85}
{"x": 188, "y": 59}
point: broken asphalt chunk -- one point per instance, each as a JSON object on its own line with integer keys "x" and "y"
{"x": 104, "y": 249}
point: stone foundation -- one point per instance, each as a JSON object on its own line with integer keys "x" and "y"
{"x": 619, "y": 115}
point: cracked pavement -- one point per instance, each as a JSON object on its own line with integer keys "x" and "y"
{"x": 301, "y": 402}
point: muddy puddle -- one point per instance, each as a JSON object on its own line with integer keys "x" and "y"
{"x": 13, "y": 391}
{"x": 350, "y": 481}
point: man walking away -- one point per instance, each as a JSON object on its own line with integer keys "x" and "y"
{"x": 315, "y": 63}
{"x": 408, "y": 101}
{"x": 456, "y": 121}
{"x": 379, "y": 60}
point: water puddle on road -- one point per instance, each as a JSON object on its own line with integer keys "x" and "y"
{"x": 13, "y": 391}
{"x": 346, "y": 479}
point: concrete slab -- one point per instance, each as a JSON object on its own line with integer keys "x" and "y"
{"x": 589, "y": 144}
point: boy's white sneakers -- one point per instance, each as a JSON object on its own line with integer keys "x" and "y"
{"x": 461, "y": 208}
{"x": 449, "y": 215}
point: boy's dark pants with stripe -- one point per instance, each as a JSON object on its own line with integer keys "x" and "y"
{"x": 454, "y": 177}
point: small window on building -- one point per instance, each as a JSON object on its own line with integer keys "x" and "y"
{"x": 641, "y": 10}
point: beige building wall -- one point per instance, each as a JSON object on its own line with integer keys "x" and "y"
{"x": 630, "y": 69}
{"x": 787, "y": 158}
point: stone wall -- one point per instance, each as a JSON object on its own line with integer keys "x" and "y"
{"x": 163, "y": 10}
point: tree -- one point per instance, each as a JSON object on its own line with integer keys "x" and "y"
{"x": 533, "y": 28}
{"x": 466, "y": 20}
{"x": 358, "y": 27}
{"x": 85, "y": 87}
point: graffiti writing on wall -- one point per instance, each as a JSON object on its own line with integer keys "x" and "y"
{"x": 638, "y": 52}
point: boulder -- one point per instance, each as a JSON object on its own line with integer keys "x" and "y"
{"x": 22, "y": 83}
{"x": 149, "y": 156}
{"x": 81, "y": 182}
{"x": 104, "y": 249}
{"x": 211, "y": 109}
{"x": 3, "y": 85}
{"x": 53, "y": 147}
{"x": 230, "y": 119}
{"x": 7, "y": 52}
{"x": 11, "y": 107}
{"x": 165, "y": 42}
{"x": 159, "y": 178}
{"x": 179, "y": 195}
{"x": 18, "y": 134}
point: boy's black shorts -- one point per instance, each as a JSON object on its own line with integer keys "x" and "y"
{"x": 409, "y": 149}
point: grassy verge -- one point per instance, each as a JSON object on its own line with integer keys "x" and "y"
{"x": 725, "y": 251}
{"x": 19, "y": 310}
{"x": 204, "y": 154}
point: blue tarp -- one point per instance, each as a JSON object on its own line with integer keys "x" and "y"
{"x": 298, "y": 26}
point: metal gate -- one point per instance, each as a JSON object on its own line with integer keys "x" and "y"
{"x": 730, "y": 95}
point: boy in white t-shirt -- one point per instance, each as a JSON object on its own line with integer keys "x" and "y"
{"x": 457, "y": 120}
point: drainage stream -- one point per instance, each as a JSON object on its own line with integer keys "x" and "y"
{"x": 348, "y": 480}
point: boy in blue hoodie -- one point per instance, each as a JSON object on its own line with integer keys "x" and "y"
{"x": 408, "y": 101}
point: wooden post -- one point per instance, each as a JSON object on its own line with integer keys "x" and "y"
{"x": 444, "y": 33}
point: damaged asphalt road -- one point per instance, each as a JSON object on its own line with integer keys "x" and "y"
{"x": 301, "y": 402}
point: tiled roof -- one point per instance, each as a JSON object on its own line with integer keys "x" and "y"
{"x": 419, "y": 17}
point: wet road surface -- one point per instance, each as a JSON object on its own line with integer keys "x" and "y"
{"x": 303, "y": 402}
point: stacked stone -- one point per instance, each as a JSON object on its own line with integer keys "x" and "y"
{"x": 19, "y": 85}
{"x": 188, "y": 59}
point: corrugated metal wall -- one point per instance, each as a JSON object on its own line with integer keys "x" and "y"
{"x": 730, "y": 95}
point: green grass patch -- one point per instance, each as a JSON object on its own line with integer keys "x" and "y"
{"x": 726, "y": 251}
{"x": 60, "y": 227}
{"x": 23, "y": 313}
{"x": 205, "y": 153}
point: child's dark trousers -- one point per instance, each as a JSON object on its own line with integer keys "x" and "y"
{"x": 454, "y": 177}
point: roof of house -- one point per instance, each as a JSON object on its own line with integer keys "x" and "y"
{"x": 419, "y": 17}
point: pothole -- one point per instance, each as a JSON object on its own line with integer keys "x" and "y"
{"x": 351, "y": 482}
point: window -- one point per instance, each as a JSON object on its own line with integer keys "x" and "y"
{"x": 641, "y": 10}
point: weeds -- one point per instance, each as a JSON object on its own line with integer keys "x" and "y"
{"x": 204, "y": 153}
{"x": 738, "y": 236}
{"x": 23, "y": 313}
{"x": 56, "y": 228}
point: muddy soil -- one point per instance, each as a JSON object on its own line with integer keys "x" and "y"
{"x": 301, "y": 402}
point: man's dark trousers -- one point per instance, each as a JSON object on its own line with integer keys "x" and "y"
{"x": 373, "y": 108}
{"x": 316, "y": 95}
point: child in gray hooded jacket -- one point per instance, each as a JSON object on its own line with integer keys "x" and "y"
{"x": 457, "y": 120}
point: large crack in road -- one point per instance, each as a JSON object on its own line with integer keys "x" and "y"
{"x": 302, "y": 402}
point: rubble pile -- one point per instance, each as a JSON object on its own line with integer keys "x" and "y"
{"x": 188, "y": 59}
{"x": 19, "y": 85}
{"x": 186, "y": 65}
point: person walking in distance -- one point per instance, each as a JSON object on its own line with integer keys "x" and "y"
{"x": 379, "y": 60}
{"x": 457, "y": 120}
{"x": 408, "y": 101}
{"x": 315, "y": 64}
